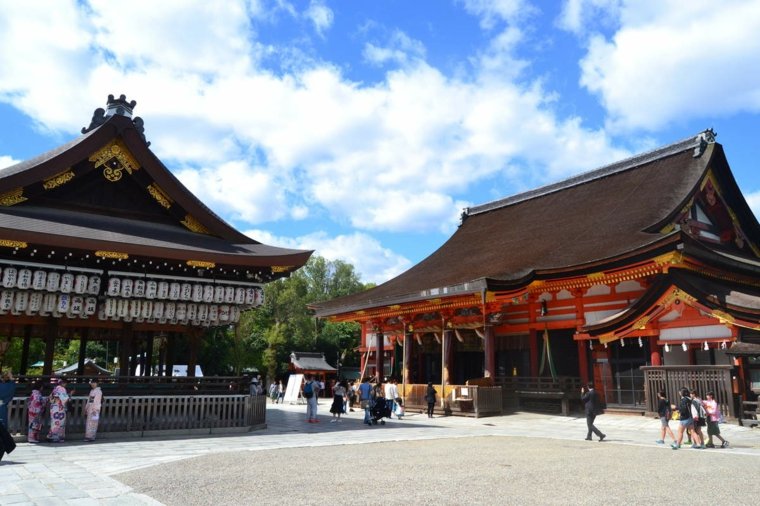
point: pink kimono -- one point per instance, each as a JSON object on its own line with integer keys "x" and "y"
{"x": 92, "y": 412}
{"x": 35, "y": 408}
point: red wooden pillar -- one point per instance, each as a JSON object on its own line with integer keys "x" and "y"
{"x": 583, "y": 360}
{"x": 533, "y": 341}
{"x": 489, "y": 352}
{"x": 407, "y": 358}
{"x": 447, "y": 346}
{"x": 379, "y": 352}
{"x": 654, "y": 351}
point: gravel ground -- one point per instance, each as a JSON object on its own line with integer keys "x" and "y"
{"x": 472, "y": 470}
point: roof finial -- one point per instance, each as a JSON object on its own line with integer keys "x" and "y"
{"x": 120, "y": 106}
{"x": 704, "y": 138}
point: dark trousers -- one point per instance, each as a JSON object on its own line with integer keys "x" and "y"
{"x": 431, "y": 406}
{"x": 590, "y": 417}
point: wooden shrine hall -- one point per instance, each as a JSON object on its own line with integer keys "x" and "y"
{"x": 99, "y": 241}
{"x": 638, "y": 276}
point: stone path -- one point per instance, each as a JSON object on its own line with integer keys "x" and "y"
{"x": 82, "y": 474}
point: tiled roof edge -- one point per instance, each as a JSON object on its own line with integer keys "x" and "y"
{"x": 698, "y": 142}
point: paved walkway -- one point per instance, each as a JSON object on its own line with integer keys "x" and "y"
{"x": 80, "y": 473}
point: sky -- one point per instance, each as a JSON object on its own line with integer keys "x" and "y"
{"x": 362, "y": 128}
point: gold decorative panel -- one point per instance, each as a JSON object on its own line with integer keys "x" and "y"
{"x": 160, "y": 195}
{"x": 117, "y": 159}
{"x": 12, "y": 197}
{"x": 281, "y": 268}
{"x": 201, "y": 264}
{"x": 111, "y": 254}
{"x": 193, "y": 225}
{"x": 58, "y": 180}
{"x": 13, "y": 244}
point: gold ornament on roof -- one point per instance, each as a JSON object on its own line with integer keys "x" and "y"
{"x": 194, "y": 225}
{"x": 723, "y": 317}
{"x": 281, "y": 268}
{"x": 160, "y": 195}
{"x": 117, "y": 158}
{"x": 201, "y": 264}
{"x": 12, "y": 197}
{"x": 58, "y": 180}
{"x": 13, "y": 244}
{"x": 116, "y": 255}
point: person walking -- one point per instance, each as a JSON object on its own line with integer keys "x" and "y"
{"x": 430, "y": 394}
{"x": 593, "y": 408}
{"x": 35, "y": 409}
{"x": 58, "y": 400}
{"x": 310, "y": 392}
{"x": 7, "y": 391}
{"x": 685, "y": 422}
{"x": 339, "y": 401}
{"x": 700, "y": 420}
{"x": 280, "y": 393}
{"x": 713, "y": 419}
{"x": 390, "y": 391}
{"x": 664, "y": 412}
{"x": 365, "y": 396}
{"x": 92, "y": 411}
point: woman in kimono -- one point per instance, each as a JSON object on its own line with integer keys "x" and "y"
{"x": 59, "y": 398}
{"x": 35, "y": 408}
{"x": 92, "y": 411}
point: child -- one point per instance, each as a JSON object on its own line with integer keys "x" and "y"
{"x": 713, "y": 419}
{"x": 664, "y": 411}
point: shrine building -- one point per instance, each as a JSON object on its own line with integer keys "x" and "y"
{"x": 638, "y": 276}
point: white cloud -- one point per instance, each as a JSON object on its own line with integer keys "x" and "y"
{"x": 320, "y": 15}
{"x": 580, "y": 16}
{"x": 7, "y": 161}
{"x": 400, "y": 49}
{"x": 671, "y": 61}
{"x": 753, "y": 199}
{"x": 492, "y": 12}
{"x": 371, "y": 260}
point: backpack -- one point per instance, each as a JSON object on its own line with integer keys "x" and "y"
{"x": 308, "y": 390}
{"x": 701, "y": 413}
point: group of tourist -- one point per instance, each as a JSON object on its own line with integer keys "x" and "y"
{"x": 692, "y": 413}
{"x": 56, "y": 405}
{"x": 276, "y": 392}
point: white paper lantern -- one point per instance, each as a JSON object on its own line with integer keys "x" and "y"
{"x": 138, "y": 290}
{"x": 203, "y": 312}
{"x": 64, "y": 300}
{"x": 213, "y": 313}
{"x": 250, "y": 296}
{"x": 126, "y": 287}
{"x": 158, "y": 310}
{"x": 38, "y": 280}
{"x": 80, "y": 283}
{"x": 259, "y": 296}
{"x": 9, "y": 277}
{"x": 110, "y": 308}
{"x": 239, "y": 295}
{"x": 218, "y": 294}
{"x": 174, "y": 291}
{"x": 90, "y": 306}
{"x": 224, "y": 313}
{"x": 151, "y": 289}
{"x": 197, "y": 293}
{"x": 208, "y": 293}
{"x": 67, "y": 283}
{"x": 170, "y": 311}
{"x": 102, "y": 313}
{"x": 35, "y": 303}
{"x": 122, "y": 308}
{"x": 77, "y": 305}
{"x": 134, "y": 308}
{"x": 234, "y": 314}
{"x": 163, "y": 290}
{"x": 229, "y": 294}
{"x": 186, "y": 292}
{"x": 93, "y": 285}
{"x": 48, "y": 303}
{"x": 53, "y": 279}
{"x": 146, "y": 309}
{"x": 21, "y": 301}
{"x": 192, "y": 311}
{"x": 114, "y": 287}
{"x": 24, "y": 279}
{"x": 6, "y": 301}
{"x": 181, "y": 311}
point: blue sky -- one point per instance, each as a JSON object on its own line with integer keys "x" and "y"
{"x": 362, "y": 129}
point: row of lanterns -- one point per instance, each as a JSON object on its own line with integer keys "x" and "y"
{"x": 81, "y": 284}
{"x": 78, "y": 306}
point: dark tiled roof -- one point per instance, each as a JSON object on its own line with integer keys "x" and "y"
{"x": 594, "y": 217}
{"x": 310, "y": 361}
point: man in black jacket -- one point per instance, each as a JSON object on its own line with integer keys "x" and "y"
{"x": 593, "y": 407}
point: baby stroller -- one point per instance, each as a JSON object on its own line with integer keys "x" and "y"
{"x": 380, "y": 409}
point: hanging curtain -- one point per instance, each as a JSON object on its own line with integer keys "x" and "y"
{"x": 546, "y": 357}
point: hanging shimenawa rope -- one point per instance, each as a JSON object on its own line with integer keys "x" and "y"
{"x": 546, "y": 356}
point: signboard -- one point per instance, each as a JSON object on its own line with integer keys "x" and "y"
{"x": 293, "y": 390}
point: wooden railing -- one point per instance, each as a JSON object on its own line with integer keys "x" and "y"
{"x": 468, "y": 400}
{"x": 702, "y": 378}
{"x": 156, "y": 414}
{"x": 144, "y": 385}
